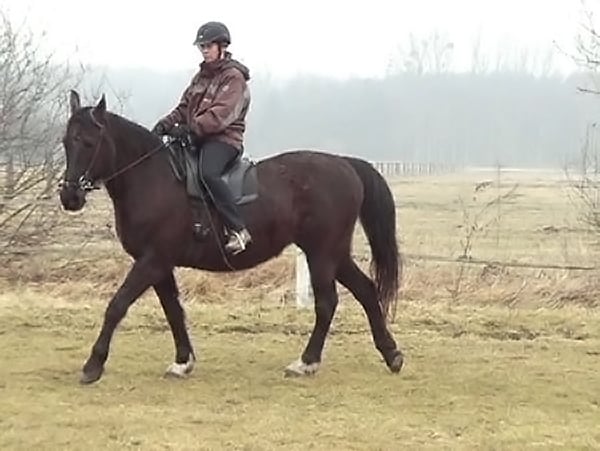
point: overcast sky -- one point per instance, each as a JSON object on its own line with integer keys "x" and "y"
{"x": 328, "y": 37}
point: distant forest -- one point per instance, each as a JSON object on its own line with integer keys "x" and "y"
{"x": 500, "y": 117}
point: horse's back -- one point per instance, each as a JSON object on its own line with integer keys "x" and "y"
{"x": 308, "y": 165}
{"x": 311, "y": 192}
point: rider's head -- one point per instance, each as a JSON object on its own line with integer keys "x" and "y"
{"x": 212, "y": 39}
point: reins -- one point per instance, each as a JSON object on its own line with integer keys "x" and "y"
{"x": 85, "y": 182}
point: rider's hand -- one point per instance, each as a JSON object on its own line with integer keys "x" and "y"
{"x": 179, "y": 131}
{"x": 160, "y": 129}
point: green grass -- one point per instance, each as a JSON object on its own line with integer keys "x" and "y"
{"x": 486, "y": 378}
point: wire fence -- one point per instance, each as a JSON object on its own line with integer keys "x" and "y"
{"x": 15, "y": 251}
{"x": 406, "y": 168}
{"x": 486, "y": 262}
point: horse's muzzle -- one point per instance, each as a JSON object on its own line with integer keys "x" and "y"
{"x": 72, "y": 194}
{"x": 72, "y": 198}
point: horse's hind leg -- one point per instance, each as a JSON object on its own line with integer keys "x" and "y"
{"x": 363, "y": 289}
{"x": 322, "y": 275}
{"x": 168, "y": 294}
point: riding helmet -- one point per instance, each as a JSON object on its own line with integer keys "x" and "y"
{"x": 213, "y": 32}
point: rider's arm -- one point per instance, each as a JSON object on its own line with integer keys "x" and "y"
{"x": 179, "y": 113}
{"x": 229, "y": 101}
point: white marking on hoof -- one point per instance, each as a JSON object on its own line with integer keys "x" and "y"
{"x": 180, "y": 370}
{"x": 298, "y": 368}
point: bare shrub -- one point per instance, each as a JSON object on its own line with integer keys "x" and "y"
{"x": 33, "y": 95}
{"x": 478, "y": 219}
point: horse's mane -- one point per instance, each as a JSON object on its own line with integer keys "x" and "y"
{"x": 143, "y": 137}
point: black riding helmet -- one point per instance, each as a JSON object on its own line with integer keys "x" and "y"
{"x": 213, "y": 32}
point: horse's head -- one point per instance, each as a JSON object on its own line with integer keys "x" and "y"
{"x": 89, "y": 149}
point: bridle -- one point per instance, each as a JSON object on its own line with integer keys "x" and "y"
{"x": 87, "y": 183}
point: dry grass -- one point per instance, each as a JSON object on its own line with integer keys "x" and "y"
{"x": 539, "y": 224}
{"x": 475, "y": 378}
{"x": 510, "y": 362}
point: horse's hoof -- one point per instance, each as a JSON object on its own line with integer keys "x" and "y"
{"x": 90, "y": 376}
{"x": 396, "y": 363}
{"x": 298, "y": 369}
{"x": 180, "y": 370}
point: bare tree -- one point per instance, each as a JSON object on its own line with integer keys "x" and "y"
{"x": 587, "y": 39}
{"x": 432, "y": 54}
{"x": 479, "y": 62}
{"x": 586, "y": 52}
{"x": 33, "y": 95}
{"x": 585, "y": 178}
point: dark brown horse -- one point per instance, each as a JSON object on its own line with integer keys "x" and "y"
{"x": 312, "y": 199}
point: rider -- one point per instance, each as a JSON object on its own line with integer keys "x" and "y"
{"x": 212, "y": 109}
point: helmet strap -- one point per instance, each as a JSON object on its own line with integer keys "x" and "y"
{"x": 222, "y": 50}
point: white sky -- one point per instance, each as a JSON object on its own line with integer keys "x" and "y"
{"x": 329, "y": 37}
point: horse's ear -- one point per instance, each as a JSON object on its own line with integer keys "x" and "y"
{"x": 100, "y": 109}
{"x": 74, "y": 101}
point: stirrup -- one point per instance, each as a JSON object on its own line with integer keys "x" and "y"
{"x": 238, "y": 241}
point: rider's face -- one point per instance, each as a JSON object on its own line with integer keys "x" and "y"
{"x": 210, "y": 52}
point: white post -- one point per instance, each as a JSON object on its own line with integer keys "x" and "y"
{"x": 304, "y": 294}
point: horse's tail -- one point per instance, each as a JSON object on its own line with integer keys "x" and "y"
{"x": 378, "y": 218}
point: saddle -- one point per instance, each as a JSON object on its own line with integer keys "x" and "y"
{"x": 239, "y": 175}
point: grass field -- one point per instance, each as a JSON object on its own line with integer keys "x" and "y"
{"x": 496, "y": 357}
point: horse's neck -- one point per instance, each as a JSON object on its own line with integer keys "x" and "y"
{"x": 137, "y": 168}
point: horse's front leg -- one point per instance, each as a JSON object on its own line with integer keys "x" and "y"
{"x": 145, "y": 272}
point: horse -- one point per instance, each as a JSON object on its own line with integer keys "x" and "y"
{"x": 309, "y": 198}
